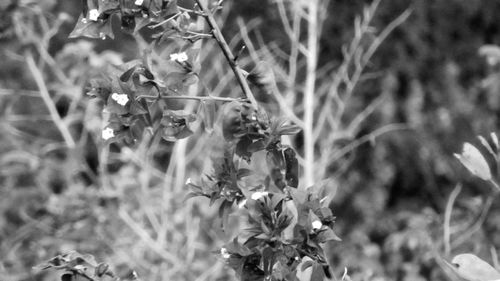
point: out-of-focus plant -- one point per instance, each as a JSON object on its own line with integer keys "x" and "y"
{"x": 482, "y": 161}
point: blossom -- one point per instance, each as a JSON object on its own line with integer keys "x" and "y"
{"x": 189, "y": 181}
{"x": 259, "y": 194}
{"x": 138, "y": 2}
{"x": 93, "y": 14}
{"x": 224, "y": 253}
{"x": 316, "y": 224}
{"x": 474, "y": 161}
{"x": 107, "y": 133}
{"x": 121, "y": 99}
{"x": 179, "y": 57}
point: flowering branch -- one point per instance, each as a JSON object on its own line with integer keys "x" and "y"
{"x": 227, "y": 53}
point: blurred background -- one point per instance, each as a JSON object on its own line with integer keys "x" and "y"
{"x": 385, "y": 130}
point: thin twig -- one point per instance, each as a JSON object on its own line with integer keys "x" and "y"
{"x": 44, "y": 92}
{"x": 368, "y": 137}
{"x": 146, "y": 238}
{"x": 206, "y": 98}
{"x": 309, "y": 91}
{"x": 447, "y": 218}
{"x": 477, "y": 224}
{"x": 227, "y": 53}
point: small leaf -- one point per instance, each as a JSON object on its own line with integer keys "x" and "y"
{"x": 207, "y": 108}
{"x": 92, "y": 29}
{"x": 68, "y": 277}
{"x": 289, "y": 130}
{"x": 127, "y": 74}
{"x": 244, "y": 173}
{"x": 292, "y": 167}
{"x": 306, "y": 265}
{"x": 327, "y": 235}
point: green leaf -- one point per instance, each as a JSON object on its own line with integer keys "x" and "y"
{"x": 327, "y": 235}
{"x": 289, "y": 130}
{"x": 318, "y": 273}
{"x": 244, "y": 173}
{"x": 292, "y": 167}
{"x": 208, "y": 113}
{"x": 268, "y": 260}
{"x": 92, "y": 29}
{"x": 68, "y": 277}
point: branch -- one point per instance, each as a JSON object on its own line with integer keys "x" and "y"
{"x": 447, "y": 218}
{"x": 227, "y": 53}
{"x": 205, "y": 98}
{"x": 44, "y": 92}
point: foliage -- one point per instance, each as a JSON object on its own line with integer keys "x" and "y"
{"x": 285, "y": 225}
{"x": 122, "y": 199}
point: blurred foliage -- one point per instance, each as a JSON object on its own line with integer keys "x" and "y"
{"x": 390, "y": 207}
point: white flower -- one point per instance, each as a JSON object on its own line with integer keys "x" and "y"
{"x": 107, "y": 133}
{"x": 138, "y": 2}
{"x": 224, "y": 253}
{"x": 189, "y": 181}
{"x": 179, "y": 57}
{"x": 121, "y": 99}
{"x": 93, "y": 14}
{"x": 259, "y": 194}
{"x": 316, "y": 224}
{"x": 242, "y": 204}
{"x": 474, "y": 161}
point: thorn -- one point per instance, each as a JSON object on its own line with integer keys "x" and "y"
{"x": 240, "y": 52}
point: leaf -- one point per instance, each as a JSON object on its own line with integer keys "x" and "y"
{"x": 289, "y": 130}
{"x": 318, "y": 273}
{"x": 306, "y": 265}
{"x": 242, "y": 148}
{"x": 224, "y": 211}
{"x": 292, "y": 167}
{"x": 268, "y": 260}
{"x": 128, "y": 22}
{"x": 327, "y": 235}
{"x": 68, "y": 277}
{"x": 208, "y": 112}
{"x": 275, "y": 165}
{"x": 244, "y": 173}
{"x": 92, "y": 29}
{"x": 127, "y": 74}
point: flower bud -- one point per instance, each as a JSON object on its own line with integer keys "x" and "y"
{"x": 474, "y": 161}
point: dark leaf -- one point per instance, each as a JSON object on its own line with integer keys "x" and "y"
{"x": 68, "y": 277}
{"x": 256, "y": 146}
{"x": 93, "y": 29}
{"x": 318, "y": 273}
{"x": 128, "y": 22}
{"x": 327, "y": 235}
{"x": 292, "y": 167}
{"x": 268, "y": 260}
{"x": 244, "y": 173}
{"x": 127, "y": 74}
{"x": 242, "y": 148}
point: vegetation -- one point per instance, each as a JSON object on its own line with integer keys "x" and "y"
{"x": 185, "y": 140}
